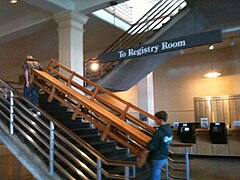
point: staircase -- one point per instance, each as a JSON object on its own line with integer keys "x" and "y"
{"x": 196, "y": 17}
{"x": 109, "y": 148}
{"x": 121, "y": 75}
{"x": 51, "y": 151}
{"x": 83, "y": 148}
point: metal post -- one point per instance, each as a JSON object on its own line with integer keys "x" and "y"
{"x": 11, "y": 112}
{"x": 166, "y": 169}
{"x": 99, "y": 167}
{"x": 187, "y": 164}
{"x": 128, "y": 150}
{"x": 51, "y": 149}
{"x": 126, "y": 173}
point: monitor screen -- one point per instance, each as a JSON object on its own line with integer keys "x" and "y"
{"x": 217, "y": 127}
{"x": 185, "y": 129}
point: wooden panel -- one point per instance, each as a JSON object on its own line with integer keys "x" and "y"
{"x": 208, "y": 111}
{"x": 218, "y": 108}
{"x": 219, "y": 111}
{"x": 203, "y": 142}
{"x": 220, "y": 149}
{"x": 176, "y": 140}
{"x": 226, "y": 112}
{"x": 214, "y": 111}
{"x": 201, "y": 108}
{"x": 237, "y": 108}
{"x": 193, "y": 149}
{"x": 234, "y": 142}
{"x": 3, "y": 150}
{"x": 177, "y": 150}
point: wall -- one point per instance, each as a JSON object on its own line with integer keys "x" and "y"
{"x": 42, "y": 45}
{"x": 176, "y": 81}
{"x": 181, "y": 79}
{"x": 130, "y": 96}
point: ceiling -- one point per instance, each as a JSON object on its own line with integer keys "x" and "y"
{"x": 27, "y": 17}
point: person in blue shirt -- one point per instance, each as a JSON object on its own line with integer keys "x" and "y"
{"x": 158, "y": 146}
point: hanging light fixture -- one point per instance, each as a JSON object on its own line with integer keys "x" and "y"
{"x": 13, "y": 1}
{"x": 212, "y": 73}
{"x": 232, "y": 43}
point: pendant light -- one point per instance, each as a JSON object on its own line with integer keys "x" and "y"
{"x": 212, "y": 73}
{"x": 13, "y": 1}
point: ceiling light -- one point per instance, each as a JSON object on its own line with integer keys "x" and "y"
{"x": 13, "y": 1}
{"x": 94, "y": 66}
{"x": 211, "y": 47}
{"x": 181, "y": 51}
{"x": 232, "y": 43}
{"x": 212, "y": 74}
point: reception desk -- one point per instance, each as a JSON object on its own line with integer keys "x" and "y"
{"x": 204, "y": 145}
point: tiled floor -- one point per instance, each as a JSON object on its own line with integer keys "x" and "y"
{"x": 11, "y": 169}
{"x": 214, "y": 168}
{"x": 201, "y": 168}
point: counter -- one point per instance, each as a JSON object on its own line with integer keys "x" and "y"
{"x": 204, "y": 145}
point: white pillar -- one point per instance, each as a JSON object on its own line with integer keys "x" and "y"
{"x": 146, "y": 96}
{"x": 70, "y": 33}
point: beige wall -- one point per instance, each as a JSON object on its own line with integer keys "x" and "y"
{"x": 42, "y": 45}
{"x": 130, "y": 96}
{"x": 176, "y": 81}
{"x": 181, "y": 79}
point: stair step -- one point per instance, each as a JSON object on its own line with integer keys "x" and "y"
{"x": 82, "y": 129}
{"x": 75, "y": 124}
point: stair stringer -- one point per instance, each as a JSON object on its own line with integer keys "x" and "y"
{"x": 25, "y": 155}
{"x": 129, "y": 72}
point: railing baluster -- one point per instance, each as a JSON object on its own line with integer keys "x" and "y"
{"x": 166, "y": 167}
{"x": 187, "y": 164}
{"x": 51, "y": 149}
{"x": 99, "y": 167}
{"x": 126, "y": 172}
{"x": 11, "y": 112}
{"x": 38, "y": 132}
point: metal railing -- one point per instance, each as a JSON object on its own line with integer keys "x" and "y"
{"x": 122, "y": 11}
{"x": 145, "y": 28}
{"x": 184, "y": 163}
{"x": 61, "y": 148}
{"x": 88, "y": 112}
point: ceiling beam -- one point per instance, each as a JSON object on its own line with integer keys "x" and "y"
{"x": 87, "y": 7}
{"x": 53, "y": 6}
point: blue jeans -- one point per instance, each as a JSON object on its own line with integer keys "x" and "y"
{"x": 156, "y": 166}
{"x": 31, "y": 93}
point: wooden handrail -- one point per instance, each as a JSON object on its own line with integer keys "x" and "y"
{"x": 75, "y": 96}
{"x": 111, "y": 120}
{"x": 100, "y": 100}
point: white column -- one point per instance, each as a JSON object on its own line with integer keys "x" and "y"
{"x": 146, "y": 96}
{"x": 70, "y": 33}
